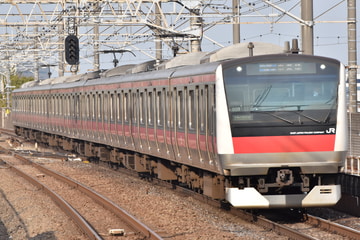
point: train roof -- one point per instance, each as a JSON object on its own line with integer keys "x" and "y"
{"x": 179, "y": 66}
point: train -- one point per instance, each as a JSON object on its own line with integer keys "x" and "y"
{"x": 256, "y": 128}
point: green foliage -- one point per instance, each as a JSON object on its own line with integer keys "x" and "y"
{"x": 18, "y": 80}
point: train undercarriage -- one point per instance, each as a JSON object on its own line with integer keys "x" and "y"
{"x": 282, "y": 186}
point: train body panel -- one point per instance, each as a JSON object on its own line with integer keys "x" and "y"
{"x": 239, "y": 129}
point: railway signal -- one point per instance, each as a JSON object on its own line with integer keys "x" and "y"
{"x": 72, "y": 50}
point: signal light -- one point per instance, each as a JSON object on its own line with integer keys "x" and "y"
{"x": 72, "y": 50}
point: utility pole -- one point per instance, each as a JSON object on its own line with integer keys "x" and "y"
{"x": 61, "y": 62}
{"x": 352, "y": 60}
{"x": 158, "y": 42}
{"x": 96, "y": 41}
{"x": 307, "y": 29}
{"x": 236, "y": 21}
{"x": 195, "y": 23}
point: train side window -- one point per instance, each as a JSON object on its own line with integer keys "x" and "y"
{"x": 92, "y": 106}
{"x": 43, "y": 99}
{"x": 105, "y": 106}
{"x": 30, "y": 105}
{"x": 160, "y": 106}
{"x": 35, "y": 104}
{"x": 135, "y": 106}
{"x": 43, "y": 104}
{"x": 201, "y": 110}
{"x": 68, "y": 105}
{"x": 112, "y": 106}
{"x": 126, "y": 107}
{"x": 192, "y": 109}
{"x": 82, "y": 106}
{"x": 61, "y": 105}
{"x": 33, "y": 100}
{"x": 64, "y": 106}
{"x": 39, "y": 104}
{"x": 40, "y": 101}
{"x": 169, "y": 113}
{"x": 73, "y": 106}
{"x": 87, "y": 106}
{"x": 150, "y": 108}
{"x": 98, "y": 105}
{"x": 119, "y": 107}
{"x": 78, "y": 106}
{"x": 53, "y": 104}
{"x": 180, "y": 108}
{"x": 57, "y": 100}
{"x": 142, "y": 108}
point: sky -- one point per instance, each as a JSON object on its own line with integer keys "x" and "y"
{"x": 330, "y": 30}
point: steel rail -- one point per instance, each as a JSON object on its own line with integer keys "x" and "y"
{"x": 334, "y": 227}
{"x": 105, "y": 202}
{"x": 247, "y": 216}
{"x": 268, "y": 224}
{"x": 84, "y": 226}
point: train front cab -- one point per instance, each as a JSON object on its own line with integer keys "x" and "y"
{"x": 281, "y": 130}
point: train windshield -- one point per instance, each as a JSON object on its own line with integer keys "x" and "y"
{"x": 282, "y": 91}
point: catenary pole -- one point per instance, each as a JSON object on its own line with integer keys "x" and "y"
{"x": 307, "y": 30}
{"x": 352, "y": 60}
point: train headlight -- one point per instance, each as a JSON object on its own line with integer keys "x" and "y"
{"x": 322, "y": 66}
{"x": 239, "y": 69}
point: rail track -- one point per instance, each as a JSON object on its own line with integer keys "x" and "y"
{"x": 292, "y": 232}
{"x": 129, "y": 223}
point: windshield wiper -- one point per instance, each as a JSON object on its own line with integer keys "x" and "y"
{"x": 300, "y": 113}
{"x": 327, "y": 118}
{"x": 261, "y": 98}
{"x": 275, "y": 116}
{"x": 308, "y": 117}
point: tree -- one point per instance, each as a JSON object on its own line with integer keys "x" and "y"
{"x": 16, "y": 81}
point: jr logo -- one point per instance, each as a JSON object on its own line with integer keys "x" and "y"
{"x": 330, "y": 130}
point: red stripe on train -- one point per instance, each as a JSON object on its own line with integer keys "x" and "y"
{"x": 274, "y": 144}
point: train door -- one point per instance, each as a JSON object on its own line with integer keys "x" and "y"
{"x": 169, "y": 128}
{"x": 101, "y": 116}
{"x": 120, "y": 118}
{"x": 143, "y": 123}
{"x": 162, "y": 148}
{"x": 59, "y": 105}
{"x": 94, "y": 115}
{"x": 192, "y": 109}
{"x": 127, "y": 119}
{"x": 105, "y": 117}
{"x": 112, "y": 114}
{"x": 51, "y": 112}
{"x": 210, "y": 123}
{"x": 135, "y": 131}
{"x": 71, "y": 112}
{"x": 150, "y": 101}
{"x": 86, "y": 119}
{"x": 180, "y": 133}
{"x": 77, "y": 115}
{"x": 67, "y": 114}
